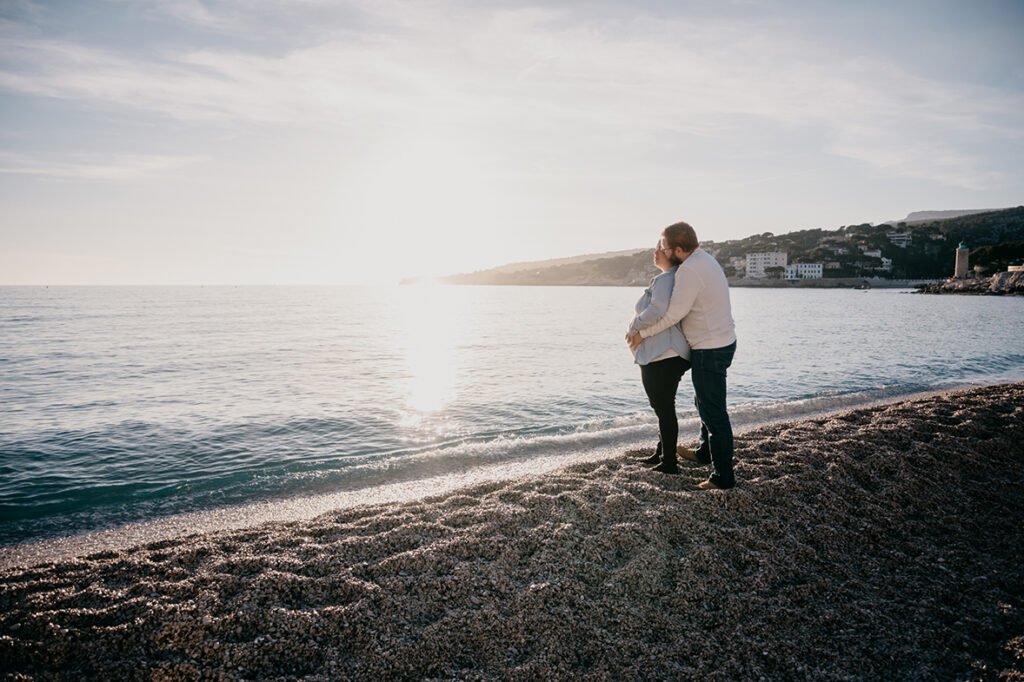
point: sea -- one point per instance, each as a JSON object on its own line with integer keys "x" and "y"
{"x": 122, "y": 406}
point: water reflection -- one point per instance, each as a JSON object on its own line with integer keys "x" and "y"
{"x": 430, "y": 327}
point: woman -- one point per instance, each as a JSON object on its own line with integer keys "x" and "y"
{"x": 663, "y": 358}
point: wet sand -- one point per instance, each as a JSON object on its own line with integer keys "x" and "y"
{"x": 878, "y": 543}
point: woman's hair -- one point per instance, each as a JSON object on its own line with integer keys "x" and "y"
{"x": 681, "y": 235}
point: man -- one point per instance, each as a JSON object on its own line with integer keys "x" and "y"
{"x": 700, "y": 298}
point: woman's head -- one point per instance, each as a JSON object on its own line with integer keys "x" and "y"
{"x": 663, "y": 258}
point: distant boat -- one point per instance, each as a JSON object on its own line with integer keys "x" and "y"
{"x": 863, "y": 286}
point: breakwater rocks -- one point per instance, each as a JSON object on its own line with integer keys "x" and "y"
{"x": 1000, "y": 284}
{"x": 831, "y": 283}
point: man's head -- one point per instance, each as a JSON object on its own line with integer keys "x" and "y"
{"x": 681, "y": 240}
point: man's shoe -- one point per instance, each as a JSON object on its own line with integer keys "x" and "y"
{"x": 686, "y": 453}
{"x": 653, "y": 459}
{"x": 666, "y": 468}
{"x": 692, "y": 455}
{"x": 710, "y": 485}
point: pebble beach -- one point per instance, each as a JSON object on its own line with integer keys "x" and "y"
{"x": 876, "y": 543}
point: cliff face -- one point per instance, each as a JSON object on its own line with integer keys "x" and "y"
{"x": 1000, "y": 284}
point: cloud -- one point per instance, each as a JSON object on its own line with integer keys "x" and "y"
{"x": 122, "y": 167}
{"x": 197, "y": 13}
{"x": 13, "y": 11}
{"x": 546, "y": 75}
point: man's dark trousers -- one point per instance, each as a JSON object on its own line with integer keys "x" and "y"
{"x": 708, "y": 371}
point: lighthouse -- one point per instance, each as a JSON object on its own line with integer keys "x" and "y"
{"x": 962, "y": 253}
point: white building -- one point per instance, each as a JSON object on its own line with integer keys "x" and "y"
{"x": 886, "y": 264}
{"x": 804, "y": 271}
{"x": 900, "y": 239}
{"x": 874, "y": 253}
{"x": 757, "y": 263}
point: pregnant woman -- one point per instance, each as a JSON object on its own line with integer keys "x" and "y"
{"x": 663, "y": 357}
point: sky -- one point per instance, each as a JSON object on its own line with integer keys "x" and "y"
{"x": 355, "y": 141}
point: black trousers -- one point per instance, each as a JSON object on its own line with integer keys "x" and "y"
{"x": 661, "y": 380}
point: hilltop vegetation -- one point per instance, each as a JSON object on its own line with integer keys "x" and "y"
{"x": 995, "y": 238}
{"x": 929, "y": 254}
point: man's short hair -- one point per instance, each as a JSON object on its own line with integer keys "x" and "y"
{"x": 681, "y": 235}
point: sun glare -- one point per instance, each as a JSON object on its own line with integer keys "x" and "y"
{"x": 431, "y": 323}
{"x": 432, "y": 198}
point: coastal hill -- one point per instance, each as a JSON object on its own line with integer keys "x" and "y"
{"x": 925, "y": 216}
{"x": 909, "y": 249}
{"x": 534, "y": 265}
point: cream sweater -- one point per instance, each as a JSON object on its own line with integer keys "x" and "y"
{"x": 700, "y": 298}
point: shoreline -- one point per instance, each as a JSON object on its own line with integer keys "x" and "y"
{"x": 824, "y": 283}
{"x": 877, "y": 542}
{"x": 305, "y": 507}
{"x": 831, "y": 283}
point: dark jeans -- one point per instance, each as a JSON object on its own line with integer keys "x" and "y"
{"x": 661, "y": 380}
{"x": 709, "y": 369}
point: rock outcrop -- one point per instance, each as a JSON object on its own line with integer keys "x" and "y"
{"x": 1002, "y": 283}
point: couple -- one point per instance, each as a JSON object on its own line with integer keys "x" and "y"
{"x": 684, "y": 322}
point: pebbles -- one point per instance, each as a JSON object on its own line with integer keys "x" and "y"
{"x": 878, "y": 543}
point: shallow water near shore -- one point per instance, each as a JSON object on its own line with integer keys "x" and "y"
{"x": 124, "y": 405}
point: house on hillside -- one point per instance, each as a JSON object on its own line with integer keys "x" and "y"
{"x": 900, "y": 239}
{"x": 833, "y": 238}
{"x": 803, "y": 271}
